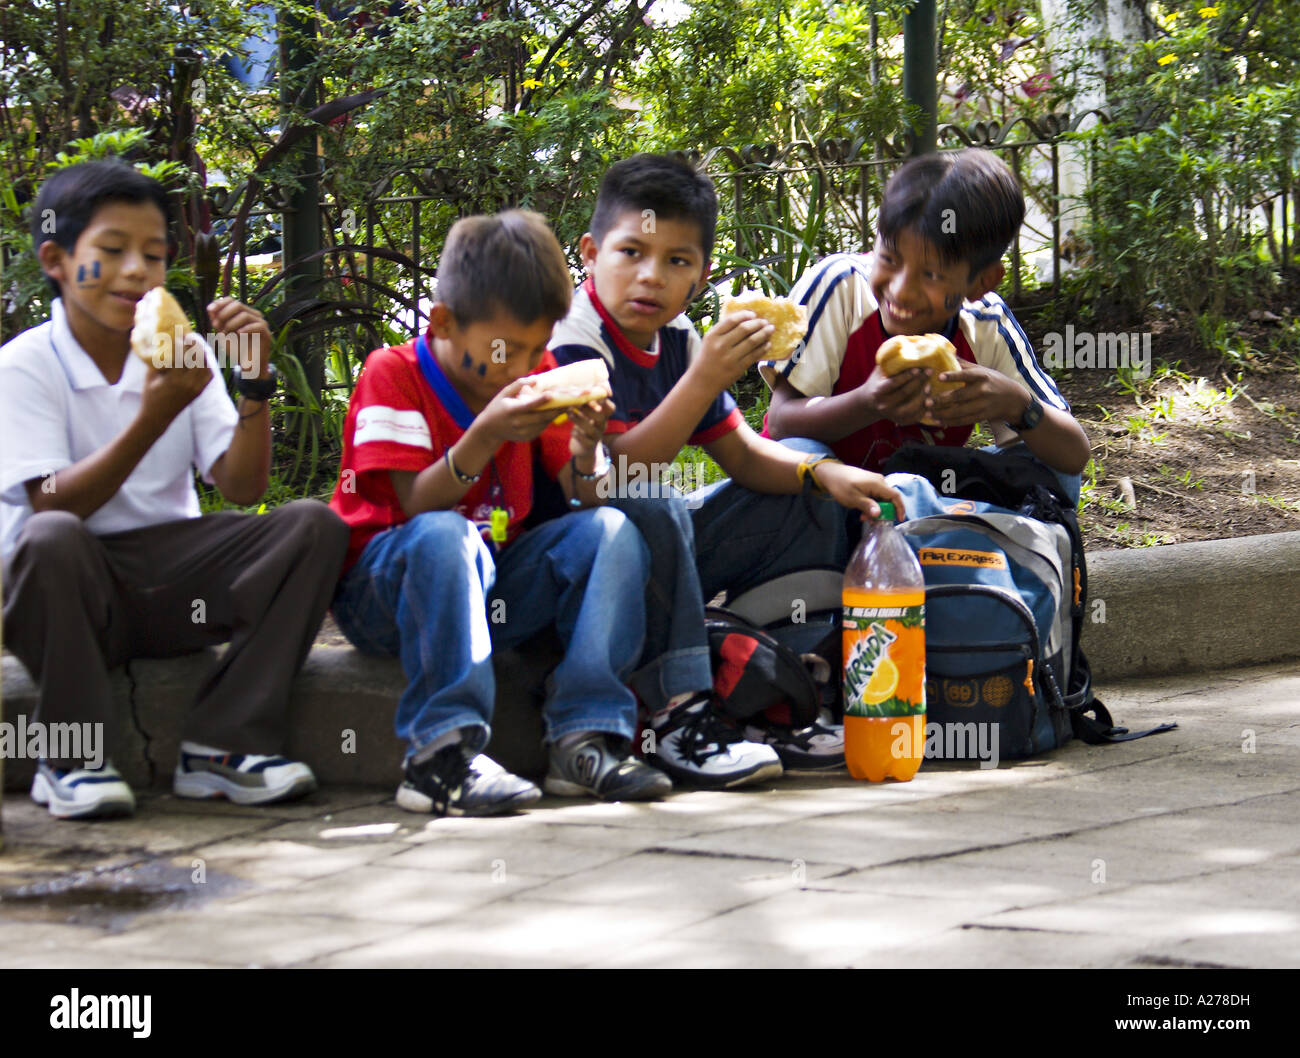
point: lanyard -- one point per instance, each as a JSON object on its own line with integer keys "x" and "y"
{"x": 499, "y": 526}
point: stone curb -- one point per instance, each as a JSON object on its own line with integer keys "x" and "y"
{"x": 1181, "y": 608}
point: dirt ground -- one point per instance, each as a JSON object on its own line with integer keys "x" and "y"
{"x": 1207, "y": 447}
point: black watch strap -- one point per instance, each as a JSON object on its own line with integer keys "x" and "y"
{"x": 1032, "y": 416}
{"x": 257, "y": 388}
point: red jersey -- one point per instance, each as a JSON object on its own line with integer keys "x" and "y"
{"x": 404, "y": 415}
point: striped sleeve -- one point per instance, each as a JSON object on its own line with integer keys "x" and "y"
{"x": 998, "y": 341}
{"x": 837, "y": 292}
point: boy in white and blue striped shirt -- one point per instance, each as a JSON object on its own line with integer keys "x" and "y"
{"x": 945, "y": 221}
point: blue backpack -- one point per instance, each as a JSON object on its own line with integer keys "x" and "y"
{"x": 1005, "y": 594}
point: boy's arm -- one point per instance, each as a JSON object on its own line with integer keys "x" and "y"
{"x": 762, "y": 465}
{"x": 588, "y": 427}
{"x": 731, "y": 348}
{"x": 242, "y": 471}
{"x": 990, "y": 396}
{"x": 508, "y": 417}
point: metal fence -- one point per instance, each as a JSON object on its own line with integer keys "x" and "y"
{"x": 781, "y": 209}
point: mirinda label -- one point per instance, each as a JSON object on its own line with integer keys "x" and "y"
{"x": 884, "y": 653}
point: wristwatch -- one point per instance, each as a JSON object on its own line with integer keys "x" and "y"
{"x": 257, "y": 388}
{"x": 1032, "y": 417}
{"x": 599, "y": 468}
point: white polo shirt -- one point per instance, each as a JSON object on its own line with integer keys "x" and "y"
{"x": 56, "y": 409}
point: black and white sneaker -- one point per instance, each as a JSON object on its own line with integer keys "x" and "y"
{"x": 82, "y": 793}
{"x": 817, "y": 747}
{"x": 600, "y": 765}
{"x": 699, "y": 748}
{"x": 452, "y": 784}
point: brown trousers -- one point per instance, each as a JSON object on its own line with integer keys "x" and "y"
{"x": 76, "y": 605}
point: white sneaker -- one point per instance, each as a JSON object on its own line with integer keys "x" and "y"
{"x": 700, "y": 748}
{"x": 242, "y": 778}
{"x": 82, "y": 793}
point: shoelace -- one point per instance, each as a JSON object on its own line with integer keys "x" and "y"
{"x": 703, "y": 728}
{"x": 447, "y": 773}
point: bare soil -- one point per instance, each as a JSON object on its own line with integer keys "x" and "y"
{"x": 1209, "y": 444}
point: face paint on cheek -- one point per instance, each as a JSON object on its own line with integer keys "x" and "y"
{"x": 466, "y": 361}
{"x": 482, "y": 370}
{"x": 93, "y": 280}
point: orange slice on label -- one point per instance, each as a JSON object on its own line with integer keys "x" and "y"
{"x": 883, "y": 683}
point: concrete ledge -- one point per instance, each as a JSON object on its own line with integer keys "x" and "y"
{"x": 1182, "y": 608}
{"x": 340, "y": 715}
{"x": 1213, "y": 604}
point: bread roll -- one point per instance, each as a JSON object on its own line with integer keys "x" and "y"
{"x": 160, "y": 328}
{"x": 920, "y": 350}
{"x": 573, "y": 384}
{"x": 789, "y": 318}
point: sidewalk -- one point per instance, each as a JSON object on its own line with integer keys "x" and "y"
{"x": 1178, "y": 850}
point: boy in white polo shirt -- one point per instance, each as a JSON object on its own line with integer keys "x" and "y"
{"x": 105, "y": 555}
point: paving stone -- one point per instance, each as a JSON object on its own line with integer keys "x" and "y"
{"x": 649, "y": 880}
{"x": 226, "y": 935}
{"x": 955, "y": 880}
{"x": 66, "y": 959}
{"x": 833, "y": 929}
{"x": 685, "y": 954}
{"x": 1096, "y": 854}
{"x": 1229, "y": 910}
{"x": 385, "y": 894}
{"x": 961, "y": 867}
{"x": 500, "y": 857}
{"x": 145, "y": 833}
{"x": 519, "y": 932}
{"x": 23, "y": 940}
{"x": 979, "y": 948}
{"x": 859, "y": 840}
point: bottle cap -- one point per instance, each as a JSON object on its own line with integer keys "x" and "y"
{"x": 887, "y": 512}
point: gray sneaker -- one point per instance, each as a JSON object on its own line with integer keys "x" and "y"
{"x": 601, "y": 766}
{"x": 242, "y": 778}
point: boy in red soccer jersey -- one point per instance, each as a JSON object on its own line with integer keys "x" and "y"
{"x": 436, "y": 482}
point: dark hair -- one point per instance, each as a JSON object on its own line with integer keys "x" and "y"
{"x": 73, "y": 195}
{"x": 965, "y": 204}
{"x": 674, "y": 190}
{"x": 507, "y": 262}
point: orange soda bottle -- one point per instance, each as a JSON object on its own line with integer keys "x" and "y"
{"x": 884, "y": 656}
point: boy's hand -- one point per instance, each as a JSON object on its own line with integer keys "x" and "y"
{"x": 169, "y": 390}
{"x": 857, "y": 488}
{"x": 733, "y": 345}
{"x": 512, "y": 415}
{"x": 588, "y": 426}
{"x": 901, "y": 398}
{"x": 987, "y": 396}
{"x": 229, "y": 316}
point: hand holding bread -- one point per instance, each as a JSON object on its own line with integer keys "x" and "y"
{"x": 789, "y": 320}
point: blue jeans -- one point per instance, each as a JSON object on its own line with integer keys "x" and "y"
{"x": 721, "y": 538}
{"x": 430, "y": 593}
